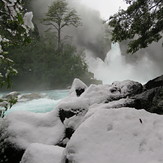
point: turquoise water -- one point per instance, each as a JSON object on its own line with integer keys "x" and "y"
{"x": 45, "y": 104}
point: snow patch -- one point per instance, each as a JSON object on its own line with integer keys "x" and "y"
{"x": 25, "y": 128}
{"x": 41, "y": 153}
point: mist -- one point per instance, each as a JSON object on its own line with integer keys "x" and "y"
{"x": 106, "y": 65}
{"x": 142, "y": 66}
{"x": 90, "y": 35}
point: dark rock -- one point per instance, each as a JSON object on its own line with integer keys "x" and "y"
{"x": 150, "y": 100}
{"x": 69, "y": 132}
{"x": 79, "y": 91}
{"x": 63, "y": 114}
{"x": 157, "y": 82}
{"x": 9, "y": 152}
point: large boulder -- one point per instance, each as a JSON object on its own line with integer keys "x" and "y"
{"x": 117, "y": 136}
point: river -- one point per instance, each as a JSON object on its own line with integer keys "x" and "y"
{"x": 46, "y": 103}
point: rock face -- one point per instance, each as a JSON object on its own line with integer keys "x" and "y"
{"x": 151, "y": 99}
{"x": 93, "y": 124}
{"x": 157, "y": 82}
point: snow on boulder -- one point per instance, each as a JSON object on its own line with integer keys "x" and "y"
{"x": 41, "y": 153}
{"x": 71, "y": 112}
{"x": 21, "y": 128}
{"x": 78, "y": 86}
{"x": 117, "y": 136}
{"x": 128, "y": 87}
{"x": 96, "y": 94}
{"x": 107, "y": 93}
{"x": 25, "y": 128}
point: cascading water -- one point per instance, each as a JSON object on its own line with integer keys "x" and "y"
{"x": 116, "y": 68}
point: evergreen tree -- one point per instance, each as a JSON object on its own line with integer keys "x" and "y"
{"x": 59, "y": 16}
{"x": 13, "y": 31}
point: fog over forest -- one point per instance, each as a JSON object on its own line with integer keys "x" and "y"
{"x": 90, "y": 36}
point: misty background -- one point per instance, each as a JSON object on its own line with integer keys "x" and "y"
{"x": 92, "y": 40}
{"x": 144, "y": 65}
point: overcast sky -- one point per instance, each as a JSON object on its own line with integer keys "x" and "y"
{"x": 105, "y": 7}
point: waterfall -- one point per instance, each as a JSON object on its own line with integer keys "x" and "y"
{"x": 116, "y": 68}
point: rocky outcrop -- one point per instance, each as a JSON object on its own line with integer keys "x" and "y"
{"x": 150, "y": 98}
{"x": 157, "y": 82}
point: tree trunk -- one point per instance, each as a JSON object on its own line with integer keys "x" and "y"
{"x": 59, "y": 39}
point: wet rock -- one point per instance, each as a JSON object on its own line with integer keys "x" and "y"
{"x": 157, "y": 82}
{"x": 150, "y": 100}
{"x": 79, "y": 91}
{"x": 9, "y": 152}
{"x": 11, "y": 95}
{"x": 30, "y": 96}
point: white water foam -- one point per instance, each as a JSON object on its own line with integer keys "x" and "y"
{"x": 47, "y": 103}
{"x": 115, "y": 67}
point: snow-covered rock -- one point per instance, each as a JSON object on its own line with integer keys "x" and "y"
{"x": 41, "y": 153}
{"x": 19, "y": 129}
{"x": 117, "y": 136}
{"x": 78, "y": 87}
{"x": 72, "y": 109}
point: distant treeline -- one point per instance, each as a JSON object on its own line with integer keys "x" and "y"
{"x": 41, "y": 66}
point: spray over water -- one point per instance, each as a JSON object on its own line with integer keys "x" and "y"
{"x": 116, "y": 68}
